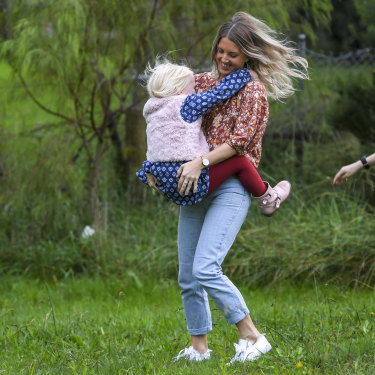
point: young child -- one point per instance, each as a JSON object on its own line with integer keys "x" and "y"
{"x": 174, "y": 136}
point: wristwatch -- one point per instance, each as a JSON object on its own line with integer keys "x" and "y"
{"x": 205, "y": 162}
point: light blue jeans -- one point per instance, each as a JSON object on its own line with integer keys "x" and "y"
{"x": 206, "y": 231}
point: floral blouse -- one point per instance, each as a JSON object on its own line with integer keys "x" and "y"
{"x": 239, "y": 121}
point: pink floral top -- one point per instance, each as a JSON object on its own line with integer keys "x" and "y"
{"x": 239, "y": 121}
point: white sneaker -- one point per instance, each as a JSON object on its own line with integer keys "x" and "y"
{"x": 192, "y": 355}
{"x": 246, "y": 351}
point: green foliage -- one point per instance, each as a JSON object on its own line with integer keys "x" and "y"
{"x": 366, "y": 11}
{"x": 68, "y": 53}
{"x": 311, "y": 143}
{"x": 91, "y": 50}
{"x": 46, "y": 203}
{"x": 327, "y": 237}
{"x": 321, "y": 231}
{"x": 356, "y": 103}
{"x": 318, "y": 239}
{"x": 135, "y": 325}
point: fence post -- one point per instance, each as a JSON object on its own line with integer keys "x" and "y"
{"x": 302, "y": 52}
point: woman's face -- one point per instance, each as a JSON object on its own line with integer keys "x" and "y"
{"x": 229, "y": 57}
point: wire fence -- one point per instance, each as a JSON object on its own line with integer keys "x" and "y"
{"x": 365, "y": 56}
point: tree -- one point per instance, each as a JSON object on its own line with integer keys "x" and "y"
{"x": 91, "y": 53}
{"x": 366, "y": 30}
{"x": 4, "y": 32}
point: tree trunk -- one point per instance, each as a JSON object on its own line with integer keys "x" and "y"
{"x": 4, "y": 31}
{"x": 135, "y": 148}
{"x": 120, "y": 162}
{"x": 94, "y": 179}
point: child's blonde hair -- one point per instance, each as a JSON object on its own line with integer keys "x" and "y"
{"x": 166, "y": 79}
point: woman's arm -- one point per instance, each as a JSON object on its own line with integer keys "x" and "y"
{"x": 247, "y": 131}
{"x": 189, "y": 172}
{"x": 349, "y": 170}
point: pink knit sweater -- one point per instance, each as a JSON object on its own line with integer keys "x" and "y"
{"x": 169, "y": 137}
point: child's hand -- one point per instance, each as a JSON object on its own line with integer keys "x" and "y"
{"x": 188, "y": 175}
{"x": 254, "y": 76}
{"x": 153, "y": 182}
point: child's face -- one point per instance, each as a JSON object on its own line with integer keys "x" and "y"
{"x": 189, "y": 88}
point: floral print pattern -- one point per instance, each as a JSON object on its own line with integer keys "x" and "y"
{"x": 239, "y": 121}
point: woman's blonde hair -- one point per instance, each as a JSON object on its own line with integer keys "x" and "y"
{"x": 166, "y": 79}
{"x": 275, "y": 62}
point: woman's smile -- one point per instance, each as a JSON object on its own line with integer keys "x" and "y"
{"x": 229, "y": 57}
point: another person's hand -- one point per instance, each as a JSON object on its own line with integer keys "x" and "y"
{"x": 153, "y": 182}
{"x": 188, "y": 175}
{"x": 347, "y": 171}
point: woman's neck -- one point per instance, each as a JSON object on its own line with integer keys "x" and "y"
{"x": 219, "y": 78}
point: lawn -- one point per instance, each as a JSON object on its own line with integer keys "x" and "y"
{"x": 134, "y": 326}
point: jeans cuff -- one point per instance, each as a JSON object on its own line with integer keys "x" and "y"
{"x": 237, "y": 316}
{"x": 199, "y": 331}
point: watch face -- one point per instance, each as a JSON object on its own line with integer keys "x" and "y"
{"x": 206, "y": 162}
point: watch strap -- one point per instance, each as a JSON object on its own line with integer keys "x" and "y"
{"x": 364, "y": 162}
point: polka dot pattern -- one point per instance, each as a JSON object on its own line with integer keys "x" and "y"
{"x": 166, "y": 173}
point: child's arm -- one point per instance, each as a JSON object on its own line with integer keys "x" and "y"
{"x": 195, "y": 105}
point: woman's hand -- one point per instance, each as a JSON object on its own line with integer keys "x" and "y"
{"x": 188, "y": 175}
{"x": 189, "y": 172}
{"x": 347, "y": 171}
{"x": 153, "y": 182}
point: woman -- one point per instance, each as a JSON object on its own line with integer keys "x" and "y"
{"x": 206, "y": 231}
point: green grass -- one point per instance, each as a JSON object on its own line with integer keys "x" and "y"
{"x": 135, "y": 326}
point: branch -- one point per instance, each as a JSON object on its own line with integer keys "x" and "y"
{"x": 200, "y": 38}
{"x": 142, "y": 37}
{"x": 92, "y": 108}
{"x": 106, "y": 105}
{"x": 83, "y": 145}
{"x": 42, "y": 106}
{"x": 78, "y": 124}
{"x": 43, "y": 127}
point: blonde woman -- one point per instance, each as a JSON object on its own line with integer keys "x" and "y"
{"x": 174, "y": 135}
{"x": 207, "y": 230}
